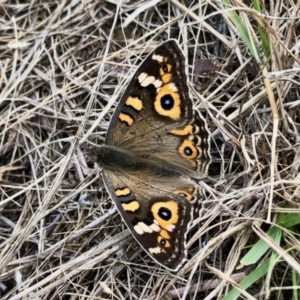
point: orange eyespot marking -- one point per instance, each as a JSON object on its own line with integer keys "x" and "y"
{"x": 123, "y": 192}
{"x": 182, "y": 132}
{"x": 167, "y": 102}
{"x": 187, "y": 150}
{"x": 132, "y": 206}
{"x": 187, "y": 195}
{"x": 165, "y": 68}
{"x": 165, "y": 74}
{"x": 164, "y": 243}
{"x": 135, "y": 103}
{"x": 126, "y": 118}
{"x": 166, "y": 214}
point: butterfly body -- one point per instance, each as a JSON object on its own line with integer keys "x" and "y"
{"x": 156, "y": 147}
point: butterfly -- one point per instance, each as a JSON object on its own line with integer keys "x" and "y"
{"x": 157, "y": 147}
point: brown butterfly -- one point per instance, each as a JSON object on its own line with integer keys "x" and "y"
{"x": 157, "y": 145}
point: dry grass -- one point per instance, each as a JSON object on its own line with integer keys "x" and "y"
{"x": 63, "y": 67}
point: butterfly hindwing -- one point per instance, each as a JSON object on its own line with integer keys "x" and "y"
{"x": 158, "y": 220}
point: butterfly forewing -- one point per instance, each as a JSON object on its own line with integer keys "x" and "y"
{"x": 162, "y": 74}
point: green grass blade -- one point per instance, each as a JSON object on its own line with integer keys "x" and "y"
{"x": 255, "y": 275}
{"x": 261, "y": 247}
